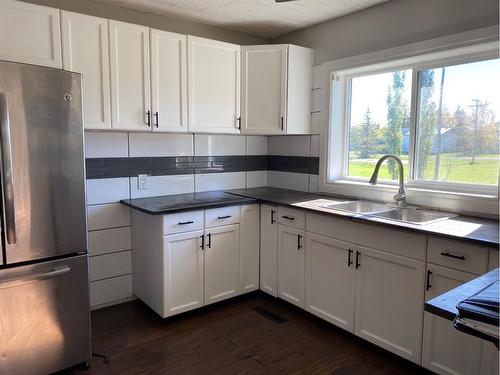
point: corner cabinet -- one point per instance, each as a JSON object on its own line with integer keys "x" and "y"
{"x": 214, "y": 86}
{"x": 30, "y": 34}
{"x": 85, "y": 50}
{"x": 190, "y": 259}
{"x": 130, "y": 76}
{"x": 276, "y": 89}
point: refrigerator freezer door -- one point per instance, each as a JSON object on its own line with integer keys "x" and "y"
{"x": 45, "y": 319}
{"x": 41, "y": 139}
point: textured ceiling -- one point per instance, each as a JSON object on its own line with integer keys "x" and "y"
{"x": 264, "y": 18}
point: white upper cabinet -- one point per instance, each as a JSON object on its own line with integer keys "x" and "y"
{"x": 263, "y": 94}
{"x": 130, "y": 76}
{"x": 85, "y": 50}
{"x": 168, "y": 81}
{"x": 276, "y": 89}
{"x": 213, "y": 86}
{"x": 30, "y": 33}
{"x": 389, "y": 301}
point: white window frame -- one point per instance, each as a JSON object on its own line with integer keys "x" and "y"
{"x": 461, "y": 197}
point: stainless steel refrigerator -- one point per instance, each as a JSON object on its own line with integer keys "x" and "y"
{"x": 44, "y": 290}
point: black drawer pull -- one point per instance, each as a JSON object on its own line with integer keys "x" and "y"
{"x": 288, "y": 217}
{"x": 449, "y": 255}
{"x": 157, "y": 119}
{"x": 202, "y": 242}
{"x": 209, "y": 245}
{"x": 428, "y": 280}
{"x": 299, "y": 245}
{"x": 186, "y": 222}
{"x": 224, "y": 217}
{"x": 148, "y": 118}
{"x": 357, "y": 259}
{"x": 272, "y": 217}
{"x": 349, "y": 259}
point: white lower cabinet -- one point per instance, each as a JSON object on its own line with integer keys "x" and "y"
{"x": 269, "y": 249}
{"x": 249, "y": 248}
{"x": 291, "y": 264}
{"x": 222, "y": 250}
{"x": 330, "y": 280}
{"x": 446, "y": 350}
{"x": 183, "y": 272}
{"x": 389, "y": 301}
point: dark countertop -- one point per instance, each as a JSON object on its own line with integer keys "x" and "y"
{"x": 472, "y": 229}
{"x": 445, "y": 304}
{"x": 184, "y": 202}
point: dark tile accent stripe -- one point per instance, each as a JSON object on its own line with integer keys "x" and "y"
{"x": 161, "y": 166}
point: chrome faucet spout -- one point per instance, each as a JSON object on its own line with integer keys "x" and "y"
{"x": 400, "y": 197}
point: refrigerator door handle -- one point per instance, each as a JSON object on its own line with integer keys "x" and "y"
{"x": 14, "y": 281}
{"x": 8, "y": 189}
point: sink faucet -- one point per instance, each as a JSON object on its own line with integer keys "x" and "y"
{"x": 400, "y": 197}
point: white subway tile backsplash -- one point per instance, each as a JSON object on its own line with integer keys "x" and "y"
{"x": 163, "y": 185}
{"x": 109, "y": 290}
{"x": 288, "y": 180}
{"x": 154, "y": 144}
{"x": 313, "y": 183}
{"x": 316, "y": 122}
{"x": 104, "y": 216}
{"x": 109, "y": 241}
{"x": 315, "y": 145}
{"x": 106, "y": 145}
{"x": 256, "y": 179}
{"x": 107, "y": 190}
{"x": 292, "y": 145}
{"x": 219, "y": 145}
{"x": 110, "y": 265}
{"x": 220, "y": 181}
{"x": 256, "y": 145}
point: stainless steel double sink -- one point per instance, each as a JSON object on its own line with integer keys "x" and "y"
{"x": 410, "y": 215}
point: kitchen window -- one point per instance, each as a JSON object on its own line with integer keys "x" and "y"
{"x": 439, "y": 113}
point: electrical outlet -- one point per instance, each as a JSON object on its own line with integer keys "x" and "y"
{"x": 142, "y": 181}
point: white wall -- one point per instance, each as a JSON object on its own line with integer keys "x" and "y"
{"x": 391, "y": 24}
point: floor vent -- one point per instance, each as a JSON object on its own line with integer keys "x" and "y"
{"x": 269, "y": 315}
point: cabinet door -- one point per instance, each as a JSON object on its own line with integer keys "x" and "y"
{"x": 168, "y": 81}
{"x": 85, "y": 50}
{"x": 214, "y": 86}
{"x": 446, "y": 350}
{"x": 222, "y": 261}
{"x": 130, "y": 89}
{"x": 263, "y": 80}
{"x": 291, "y": 264}
{"x": 182, "y": 272}
{"x": 389, "y": 302}
{"x": 269, "y": 249}
{"x": 329, "y": 280}
{"x": 30, "y": 33}
{"x": 249, "y": 248}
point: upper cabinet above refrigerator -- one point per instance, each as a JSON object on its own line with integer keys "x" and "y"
{"x": 214, "y": 86}
{"x": 276, "y": 89}
{"x": 29, "y": 34}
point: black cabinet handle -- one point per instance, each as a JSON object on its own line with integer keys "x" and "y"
{"x": 272, "y": 217}
{"x": 185, "y": 222}
{"x": 282, "y": 127}
{"x": 209, "y": 245}
{"x": 148, "y": 118}
{"x": 224, "y": 217}
{"x": 299, "y": 245}
{"x": 239, "y": 122}
{"x": 357, "y": 259}
{"x": 349, "y": 258}
{"x": 202, "y": 242}
{"x": 449, "y": 255}
{"x": 157, "y": 119}
{"x": 288, "y": 217}
{"x": 428, "y": 280}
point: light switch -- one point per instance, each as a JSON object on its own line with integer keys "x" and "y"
{"x": 142, "y": 181}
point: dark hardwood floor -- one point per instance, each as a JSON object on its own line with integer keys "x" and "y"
{"x": 252, "y": 334}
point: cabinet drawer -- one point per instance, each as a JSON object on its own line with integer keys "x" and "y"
{"x": 292, "y": 217}
{"x": 182, "y": 222}
{"x": 458, "y": 255}
{"x": 217, "y": 217}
